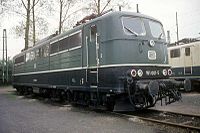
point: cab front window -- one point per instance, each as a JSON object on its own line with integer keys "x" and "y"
{"x": 133, "y": 26}
{"x": 156, "y": 29}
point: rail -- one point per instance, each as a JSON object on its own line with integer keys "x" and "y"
{"x": 182, "y": 120}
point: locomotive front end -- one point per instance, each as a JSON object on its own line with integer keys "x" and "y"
{"x": 144, "y": 61}
{"x": 147, "y": 85}
{"x": 148, "y": 81}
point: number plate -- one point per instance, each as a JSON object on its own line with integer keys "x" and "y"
{"x": 152, "y": 55}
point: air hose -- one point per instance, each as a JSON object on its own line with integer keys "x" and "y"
{"x": 129, "y": 82}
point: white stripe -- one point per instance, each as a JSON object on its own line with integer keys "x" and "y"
{"x": 19, "y": 64}
{"x": 79, "y": 31}
{"x": 184, "y": 46}
{"x": 74, "y": 48}
{"x": 93, "y": 86}
{"x": 87, "y": 56}
{"x": 60, "y": 52}
{"x": 185, "y": 77}
{"x": 118, "y": 65}
{"x": 50, "y": 71}
{"x": 79, "y": 68}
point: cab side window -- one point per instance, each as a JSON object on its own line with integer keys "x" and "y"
{"x": 93, "y": 31}
{"x": 175, "y": 53}
{"x": 187, "y": 51}
{"x": 19, "y": 59}
{"x": 27, "y": 56}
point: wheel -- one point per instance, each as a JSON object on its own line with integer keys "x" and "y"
{"x": 20, "y": 91}
{"x": 110, "y": 104}
{"x": 69, "y": 96}
{"x": 187, "y": 85}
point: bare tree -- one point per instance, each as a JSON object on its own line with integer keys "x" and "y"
{"x": 4, "y": 6}
{"x": 1, "y": 8}
{"x": 27, "y": 7}
{"x": 125, "y": 4}
{"x": 99, "y": 6}
{"x": 33, "y": 15}
{"x": 64, "y": 6}
{"x": 30, "y": 24}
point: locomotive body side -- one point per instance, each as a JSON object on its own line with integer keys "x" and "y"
{"x": 185, "y": 62}
{"x": 117, "y": 58}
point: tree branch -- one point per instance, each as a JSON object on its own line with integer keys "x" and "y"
{"x": 96, "y": 3}
{"x": 78, "y": 11}
{"x": 24, "y": 5}
{"x": 67, "y": 10}
{"x": 105, "y": 6}
{"x": 35, "y": 3}
{"x": 23, "y": 15}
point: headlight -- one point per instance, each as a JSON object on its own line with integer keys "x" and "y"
{"x": 140, "y": 73}
{"x": 165, "y": 72}
{"x": 169, "y": 72}
{"x": 151, "y": 43}
{"x": 133, "y": 73}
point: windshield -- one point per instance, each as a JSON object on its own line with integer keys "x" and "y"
{"x": 133, "y": 26}
{"x": 156, "y": 30}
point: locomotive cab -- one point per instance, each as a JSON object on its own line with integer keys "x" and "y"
{"x": 129, "y": 35}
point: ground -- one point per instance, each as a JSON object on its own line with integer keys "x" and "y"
{"x": 20, "y": 114}
{"x": 190, "y": 104}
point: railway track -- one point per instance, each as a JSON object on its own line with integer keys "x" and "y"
{"x": 182, "y": 120}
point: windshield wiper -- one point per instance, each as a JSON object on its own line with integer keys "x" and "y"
{"x": 159, "y": 37}
{"x": 133, "y": 32}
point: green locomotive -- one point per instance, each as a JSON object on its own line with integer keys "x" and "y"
{"x": 117, "y": 60}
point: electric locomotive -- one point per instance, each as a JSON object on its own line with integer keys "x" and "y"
{"x": 117, "y": 60}
{"x": 185, "y": 62}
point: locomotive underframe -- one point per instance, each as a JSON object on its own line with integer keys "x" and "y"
{"x": 137, "y": 93}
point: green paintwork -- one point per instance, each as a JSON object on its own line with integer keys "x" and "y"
{"x": 65, "y": 60}
{"x": 115, "y": 47}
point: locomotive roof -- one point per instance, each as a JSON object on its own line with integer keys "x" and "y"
{"x": 77, "y": 28}
{"x": 122, "y": 13}
{"x": 184, "y": 45}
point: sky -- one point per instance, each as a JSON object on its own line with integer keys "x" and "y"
{"x": 163, "y": 10}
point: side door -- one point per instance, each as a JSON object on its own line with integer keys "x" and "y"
{"x": 188, "y": 60}
{"x": 92, "y": 35}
